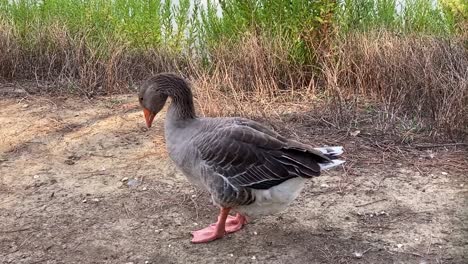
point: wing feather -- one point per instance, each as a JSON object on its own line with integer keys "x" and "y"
{"x": 247, "y": 154}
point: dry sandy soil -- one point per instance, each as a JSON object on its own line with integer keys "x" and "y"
{"x": 64, "y": 197}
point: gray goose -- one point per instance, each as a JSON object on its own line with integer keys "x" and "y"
{"x": 245, "y": 166}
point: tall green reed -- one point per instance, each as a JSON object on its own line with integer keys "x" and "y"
{"x": 194, "y": 28}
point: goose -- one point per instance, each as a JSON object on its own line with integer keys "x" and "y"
{"x": 245, "y": 166}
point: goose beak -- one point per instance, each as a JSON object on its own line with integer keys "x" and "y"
{"x": 149, "y": 117}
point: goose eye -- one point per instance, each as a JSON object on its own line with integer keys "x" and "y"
{"x": 141, "y": 98}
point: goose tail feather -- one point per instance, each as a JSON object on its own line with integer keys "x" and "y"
{"x": 332, "y": 153}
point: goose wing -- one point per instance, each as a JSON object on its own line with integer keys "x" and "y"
{"x": 247, "y": 154}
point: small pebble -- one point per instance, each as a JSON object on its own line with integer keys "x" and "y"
{"x": 144, "y": 188}
{"x": 255, "y": 233}
{"x": 36, "y": 176}
{"x": 169, "y": 245}
{"x": 124, "y": 179}
{"x": 324, "y": 185}
{"x": 254, "y": 258}
{"x": 84, "y": 201}
{"x": 444, "y": 173}
{"x": 355, "y": 133}
{"x": 147, "y": 262}
{"x": 69, "y": 162}
{"x": 231, "y": 255}
{"x": 399, "y": 245}
{"x": 358, "y": 255}
{"x": 133, "y": 182}
{"x": 193, "y": 196}
{"x": 461, "y": 185}
{"x": 95, "y": 200}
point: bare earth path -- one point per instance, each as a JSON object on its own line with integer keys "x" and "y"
{"x": 85, "y": 182}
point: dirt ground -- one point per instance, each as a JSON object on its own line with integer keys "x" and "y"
{"x": 83, "y": 181}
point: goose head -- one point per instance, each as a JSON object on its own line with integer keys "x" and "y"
{"x": 152, "y": 97}
{"x": 155, "y": 91}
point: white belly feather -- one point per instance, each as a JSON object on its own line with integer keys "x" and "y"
{"x": 273, "y": 200}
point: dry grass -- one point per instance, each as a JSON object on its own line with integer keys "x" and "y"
{"x": 74, "y": 63}
{"x": 411, "y": 83}
{"x": 249, "y": 77}
{"x": 406, "y": 84}
{"x": 423, "y": 80}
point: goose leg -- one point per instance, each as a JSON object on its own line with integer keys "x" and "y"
{"x": 234, "y": 224}
{"x": 225, "y": 224}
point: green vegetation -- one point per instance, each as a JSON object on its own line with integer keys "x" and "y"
{"x": 342, "y": 50}
{"x": 196, "y": 28}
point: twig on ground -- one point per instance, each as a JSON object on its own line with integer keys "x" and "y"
{"x": 195, "y": 205}
{"x": 22, "y": 243}
{"x": 373, "y": 202}
{"x": 439, "y": 145}
{"x": 126, "y": 210}
{"x": 414, "y": 254}
{"x": 102, "y": 155}
{"x": 146, "y": 155}
{"x": 429, "y": 246}
{"x": 328, "y": 123}
{"x": 15, "y": 230}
